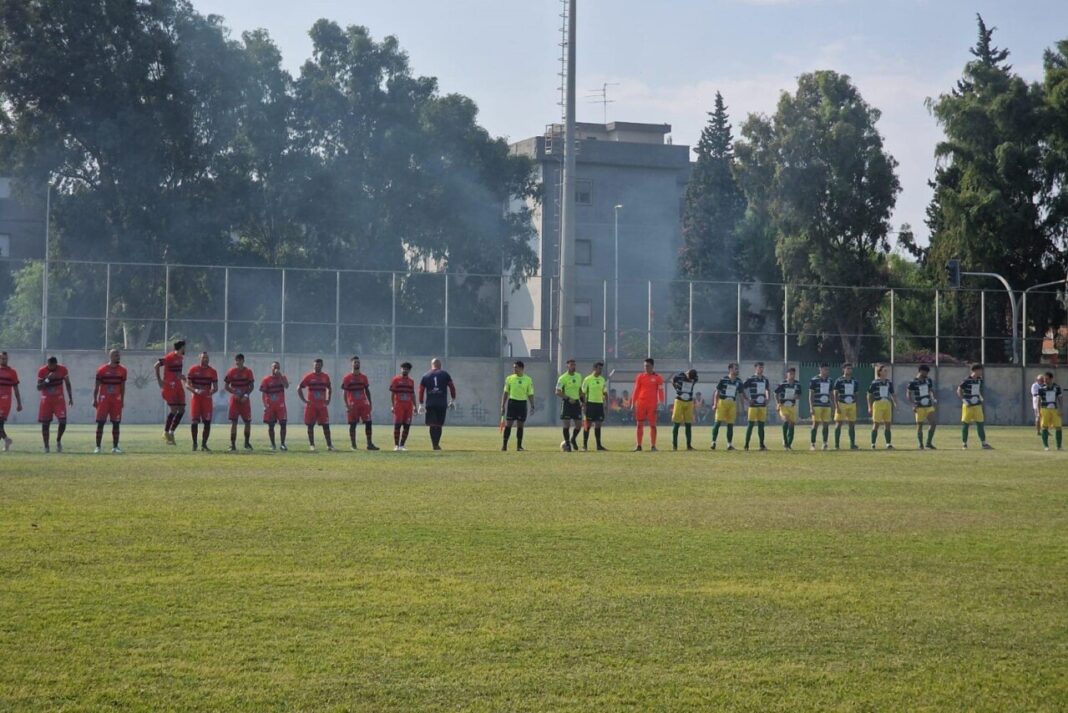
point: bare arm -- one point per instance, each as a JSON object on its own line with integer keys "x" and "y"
{"x": 70, "y": 391}
{"x": 159, "y": 379}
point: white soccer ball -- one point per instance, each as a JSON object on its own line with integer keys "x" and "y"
{"x": 565, "y": 445}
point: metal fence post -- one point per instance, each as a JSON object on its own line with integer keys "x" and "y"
{"x": 107, "y": 307}
{"x": 893, "y": 330}
{"x": 393, "y": 319}
{"x": 982, "y": 328}
{"x": 446, "y": 354}
{"x": 501, "y": 337}
{"x": 282, "y": 323}
{"x": 785, "y": 324}
{"x": 938, "y": 326}
{"x": 166, "y": 304}
{"x": 738, "y": 325}
{"x": 649, "y": 319}
{"x": 604, "y": 320}
{"x": 226, "y": 310}
{"x": 337, "y": 315}
{"x": 689, "y": 328}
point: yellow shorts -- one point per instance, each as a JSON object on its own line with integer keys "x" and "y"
{"x": 922, "y": 412}
{"x": 726, "y": 411}
{"x": 757, "y": 413}
{"x": 1049, "y": 418}
{"x": 682, "y": 411}
{"x": 821, "y": 414}
{"x": 971, "y": 414}
{"x": 846, "y": 412}
{"x": 788, "y": 413}
{"x": 882, "y": 411}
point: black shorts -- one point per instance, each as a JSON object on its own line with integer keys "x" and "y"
{"x": 595, "y": 413}
{"x": 435, "y": 415}
{"x": 516, "y": 411}
{"x": 570, "y": 410}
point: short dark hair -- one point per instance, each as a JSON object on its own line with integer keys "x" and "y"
{"x": 570, "y": 361}
{"x": 791, "y": 369}
{"x": 53, "y": 360}
{"x": 824, "y": 365}
{"x": 406, "y": 365}
{"x": 318, "y": 360}
{"x": 354, "y": 358}
{"x": 179, "y": 344}
{"x": 240, "y": 356}
{"x": 649, "y": 360}
{"x": 924, "y": 368}
{"x": 849, "y": 365}
{"x": 598, "y": 363}
{"x": 692, "y": 374}
{"x": 759, "y": 363}
{"x": 731, "y": 365}
{"x": 976, "y": 367}
{"x": 518, "y": 363}
{"x": 1049, "y": 374}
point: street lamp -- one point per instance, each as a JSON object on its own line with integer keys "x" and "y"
{"x": 615, "y": 308}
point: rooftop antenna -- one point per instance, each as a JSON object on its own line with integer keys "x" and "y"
{"x": 600, "y": 96}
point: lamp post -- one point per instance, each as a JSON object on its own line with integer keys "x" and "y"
{"x": 1023, "y": 321}
{"x": 615, "y": 308}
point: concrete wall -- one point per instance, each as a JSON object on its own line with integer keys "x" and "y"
{"x": 479, "y": 383}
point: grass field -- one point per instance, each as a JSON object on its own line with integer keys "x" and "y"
{"x": 472, "y": 579}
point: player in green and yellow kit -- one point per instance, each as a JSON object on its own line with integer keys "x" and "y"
{"x": 594, "y": 391}
{"x": 518, "y": 394}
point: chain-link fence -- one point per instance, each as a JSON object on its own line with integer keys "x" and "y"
{"x": 89, "y": 306}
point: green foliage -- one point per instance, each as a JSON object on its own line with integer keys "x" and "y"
{"x": 823, "y": 185}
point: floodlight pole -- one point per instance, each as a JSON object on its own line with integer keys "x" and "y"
{"x": 1023, "y": 300}
{"x": 566, "y": 322}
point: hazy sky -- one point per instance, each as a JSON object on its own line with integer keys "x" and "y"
{"x": 670, "y": 57}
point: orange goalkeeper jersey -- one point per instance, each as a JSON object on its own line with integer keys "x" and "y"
{"x": 648, "y": 389}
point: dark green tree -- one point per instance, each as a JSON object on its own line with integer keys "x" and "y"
{"x": 831, "y": 187}
{"x": 987, "y": 208}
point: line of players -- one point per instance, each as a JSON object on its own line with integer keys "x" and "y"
{"x": 436, "y": 396}
{"x": 582, "y": 403}
{"x": 830, "y": 401}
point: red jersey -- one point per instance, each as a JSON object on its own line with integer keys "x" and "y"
{"x": 402, "y": 388}
{"x": 355, "y": 387}
{"x": 648, "y": 389}
{"x": 9, "y": 379}
{"x": 111, "y": 378}
{"x": 54, "y": 388}
{"x": 273, "y": 387}
{"x": 240, "y": 379}
{"x": 202, "y": 377}
{"x": 172, "y": 367}
{"x": 317, "y": 384}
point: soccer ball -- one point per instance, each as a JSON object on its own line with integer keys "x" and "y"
{"x": 565, "y": 445}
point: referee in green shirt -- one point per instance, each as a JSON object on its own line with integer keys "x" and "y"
{"x": 518, "y": 393}
{"x": 594, "y": 389}
{"x": 569, "y": 389}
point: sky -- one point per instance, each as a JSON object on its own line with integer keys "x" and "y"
{"x": 665, "y": 60}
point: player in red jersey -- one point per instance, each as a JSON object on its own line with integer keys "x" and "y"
{"x": 357, "y": 392}
{"x": 317, "y": 404}
{"x": 51, "y": 378}
{"x": 402, "y": 395}
{"x": 239, "y": 383}
{"x": 109, "y": 390}
{"x": 202, "y": 382}
{"x": 172, "y": 389}
{"x": 647, "y": 396}
{"x": 9, "y": 383}
{"x": 274, "y": 388}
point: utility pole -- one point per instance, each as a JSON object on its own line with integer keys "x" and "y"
{"x": 566, "y": 322}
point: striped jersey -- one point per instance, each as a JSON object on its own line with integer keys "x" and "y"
{"x": 55, "y": 378}
{"x": 788, "y": 394}
{"x": 240, "y": 379}
{"x": 9, "y": 379}
{"x": 111, "y": 377}
{"x": 316, "y": 383}
{"x": 922, "y": 391}
{"x": 881, "y": 390}
{"x": 273, "y": 387}
{"x": 202, "y": 378}
{"x": 403, "y": 388}
{"x": 355, "y": 387}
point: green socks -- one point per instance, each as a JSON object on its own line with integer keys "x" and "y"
{"x": 930, "y": 435}
{"x": 964, "y": 433}
{"x": 715, "y": 433}
{"x": 1045, "y": 437}
{"x": 838, "y": 435}
{"x": 748, "y": 433}
{"x": 980, "y": 428}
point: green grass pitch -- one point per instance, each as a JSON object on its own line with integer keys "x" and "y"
{"x": 477, "y": 580}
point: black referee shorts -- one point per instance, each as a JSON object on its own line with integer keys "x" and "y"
{"x": 516, "y": 411}
{"x": 570, "y": 410}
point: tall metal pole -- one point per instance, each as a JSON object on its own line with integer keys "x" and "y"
{"x": 166, "y": 304}
{"x": 615, "y": 286}
{"x": 282, "y": 332}
{"x": 500, "y": 321}
{"x": 1012, "y": 303}
{"x": 649, "y": 319}
{"x": 785, "y": 324}
{"x": 337, "y": 315}
{"x": 44, "y": 275}
{"x": 893, "y": 329}
{"x": 446, "y": 351}
{"x": 566, "y": 324}
{"x": 604, "y": 321}
{"x": 938, "y": 327}
{"x": 393, "y": 320}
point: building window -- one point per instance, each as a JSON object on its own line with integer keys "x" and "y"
{"x": 584, "y": 192}
{"x": 583, "y": 252}
{"x": 5, "y": 245}
{"x": 583, "y": 313}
